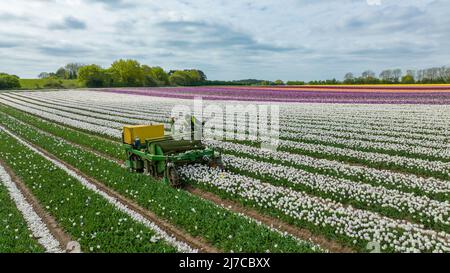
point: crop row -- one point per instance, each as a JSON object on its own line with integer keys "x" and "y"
{"x": 422, "y": 167}
{"x": 360, "y": 240}
{"x": 434, "y": 188}
{"x": 433, "y": 214}
{"x": 158, "y": 113}
{"x": 72, "y": 122}
{"x": 379, "y": 115}
{"x": 365, "y": 146}
{"x": 104, "y": 146}
{"x": 391, "y": 202}
{"x": 304, "y": 113}
{"x": 353, "y": 226}
{"x": 439, "y": 153}
{"x": 418, "y": 116}
{"x": 379, "y": 160}
{"x": 438, "y": 150}
{"x": 111, "y": 116}
{"x": 198, "y": 217}
{"x": 95, "y": 222}
{"x": 81, "y": 115}
{"x": 364, "y": 134}
{"x": 413, "y": 165}
{"x": 18, "y": 234}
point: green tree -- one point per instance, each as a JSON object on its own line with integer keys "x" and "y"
{"x": 279, "y": 82}
{"x": 93, "y": 76}
{"x": 61, "y": 73}
{"x": 408, "y": 79}
{"x": 187, "y": 77}
{"x": 127, "y": 73}
{"x": 54, "y": 84}
{"x": 194, "y": 76}
{"x": 72, "y": 70}
{"x": 180, "y": 78}
{"x": 202, "y": 75}
{"x": 149, "y": 76}
{"x": 265, "y": 83}
{"x": 9, "y": 81}
{"x": 349, "y": 78}
{"x": 44, "y": 75}
{"x": 161, "y": 77}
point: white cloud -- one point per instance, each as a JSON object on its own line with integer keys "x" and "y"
{"x": 373, "y": 2}
{"x": 306, "y": 39}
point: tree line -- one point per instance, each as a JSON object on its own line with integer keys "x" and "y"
{"x": 434, "y": 75}
{"x": 130, "y": 73}
{"x": 126, "y": 73}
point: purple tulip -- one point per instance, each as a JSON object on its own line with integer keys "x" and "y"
{"x": 308, "y": 94}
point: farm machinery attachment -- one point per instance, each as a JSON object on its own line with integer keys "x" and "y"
{"x": 149, "y": 150}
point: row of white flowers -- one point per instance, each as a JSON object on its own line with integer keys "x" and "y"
{"x": 378, "y": 142}
{"x": 417, "y": 115}
{"x": 375, "y": 118}
{"x": 367, "y": 134}
{"x": 387, "y": 129}
{"x": 97, "y": 109}
{"x": 398, "y": 235}
{"x": 116, "y": 121}
{"x": 428, "y": 185}
{"x": 428, "y": 116}
{"x": 85, "y": 116}
{"x": 372, "y": 157}
{"x": 401, "y": 161}
{"x": 340, "y": 189}
{"x": 181, "y": 246}
{"x": 380, "y": 177}
{"x": 285, "y": 143}
{"x": 406, "y": 163}
{"x": 35, "y": 224}
{"x": 66, "y": 120}
{"x": 442, "y": 151}
{"x": 161, "y": 110}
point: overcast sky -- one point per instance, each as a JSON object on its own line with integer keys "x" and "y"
{"x": 228, "y": 39}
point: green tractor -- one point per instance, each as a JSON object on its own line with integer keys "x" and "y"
{"x": 150, "y": 151}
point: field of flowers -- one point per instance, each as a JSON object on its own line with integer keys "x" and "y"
{"x": 421, "y": 94}
{"x": 357, "y": 172}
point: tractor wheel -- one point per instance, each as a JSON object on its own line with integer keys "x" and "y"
{"x": 174, "y": 177}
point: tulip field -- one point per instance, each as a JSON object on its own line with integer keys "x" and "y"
{"x": 357, "y": 170}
